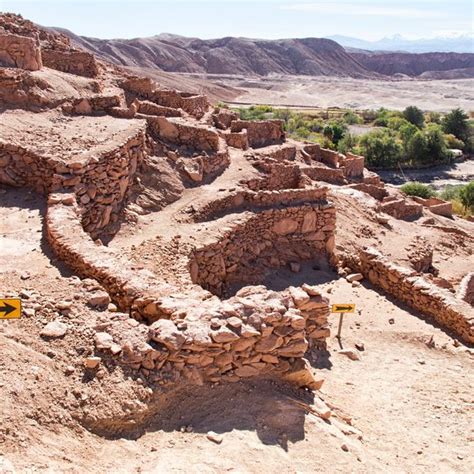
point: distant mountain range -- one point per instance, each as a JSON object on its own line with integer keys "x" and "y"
{"x": 455, "y": 44}
{"x": 257, "y": 57}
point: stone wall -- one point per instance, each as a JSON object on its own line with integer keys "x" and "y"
{"x": 20, "y": 52}
{"x": 242, "y": 200}
{"x": 377, "y": 192}
{"x": 236, "y": 139}
{"x": 411, "y": 288}
{"x": 101, "y": 182}
{"x": 436, "y": 206}
{"x": 145, "y": 88}
{"x": 319, "y": 172}
{"x": 270, "y": 238}
{"x": 276, "y": 176}
{"x": 72, "y": 61}
{"x": 256, "y": 333}
{"x": 181, "y": 133}
{"x": 401, "y": 208}
{"x": 260, "y": 132}
{"x": 283, "y": 152}
{"x": 466, "y": 289}
{"x": 353, "y": 166}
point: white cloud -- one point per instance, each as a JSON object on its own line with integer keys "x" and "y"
{"x": 362, "y": 10}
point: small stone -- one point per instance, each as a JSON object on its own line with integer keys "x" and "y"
{"x": 391, "y": 321}
{"x": 350, "y": 353}
{"x": 360, "y": 346}
{"x": 112, "y": 308}
{"x": 344, "y": 447}
{"x": 54, "y": 329}
{"x": 295, "y": 267}
{"x": 25, "y": 276}
{"x": 99, "y": 298}
{"x": 63, "y": 305}
{"x": 354, "y": 277}
{"x": 103, "y": 340}
{"x": 91, "y": 362}
{"x": 69, "y": 370}
{"x": 214, "y": 437}
{"x": 312, "y": 290}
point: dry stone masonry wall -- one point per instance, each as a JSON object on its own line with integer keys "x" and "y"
{"x": 408, "y": 286}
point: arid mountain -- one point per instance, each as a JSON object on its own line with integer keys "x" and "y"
{"x": 416, "y": 64}
{"x": 463, "y": 43}
{"x": 306, "y": 56}
{"x": 309, "y": 56}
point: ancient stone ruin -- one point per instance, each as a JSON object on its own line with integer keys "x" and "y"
{"x": 101, "y": 149}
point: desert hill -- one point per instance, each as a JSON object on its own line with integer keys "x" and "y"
{"x": 303, "y": 56}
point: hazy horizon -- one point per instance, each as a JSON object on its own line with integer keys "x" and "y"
{"x": 266, "y": 19}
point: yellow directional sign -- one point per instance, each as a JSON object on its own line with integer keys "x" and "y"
{"x": 10, "y": 308}
{"x": 343, "y": 308}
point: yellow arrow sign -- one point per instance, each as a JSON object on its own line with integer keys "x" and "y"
{"x": 10, "y": 308}
{"x": 343, "y": 308}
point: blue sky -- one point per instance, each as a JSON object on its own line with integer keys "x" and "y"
{"x": 367, "y": 19}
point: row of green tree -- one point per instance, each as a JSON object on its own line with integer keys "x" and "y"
{"x": 409, "y": 138}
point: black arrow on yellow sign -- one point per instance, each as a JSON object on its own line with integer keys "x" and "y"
{"x": 10, "y": 308}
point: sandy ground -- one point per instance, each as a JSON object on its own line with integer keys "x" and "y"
{"x": 301, "y": 91}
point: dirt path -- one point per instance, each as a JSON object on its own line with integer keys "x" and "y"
{"x": 164, "y": 222}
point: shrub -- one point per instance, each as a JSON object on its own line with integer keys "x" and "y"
{"x": 418, "y": 189}
{"x": 380, "y": 148}
{"x": 351, "y": 118}
{"x": 466, "y": 196}
{"x": 450, "y": 192}
{"x": 414, "y": 115}
{"x": 453, "y": 142}
{"x": 347, "y": 143}
{"x": 457, "y": 123}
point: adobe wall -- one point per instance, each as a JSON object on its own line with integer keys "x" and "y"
{"x": 260, "y": 132}
{"x": 72, "y": 61}
{"x": 20, "y": 52}
{"x": 269, "y": 238}
{"x": 407, "y": 286}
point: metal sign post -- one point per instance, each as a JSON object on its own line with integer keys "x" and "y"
{"x": 342, "y": 309}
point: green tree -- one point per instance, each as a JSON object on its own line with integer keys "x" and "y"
{"x": 414, "y": 115}
{"x": 436, "y": 144}
{"x": 380, "y": 148}
{"x": 351, "y": 118}
{"x": 466, "y": 195}
{"x": 457, "y": 123}
{"x": 417, "y": 147}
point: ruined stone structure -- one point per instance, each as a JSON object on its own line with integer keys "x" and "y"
{"x": 103, "y": 145}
